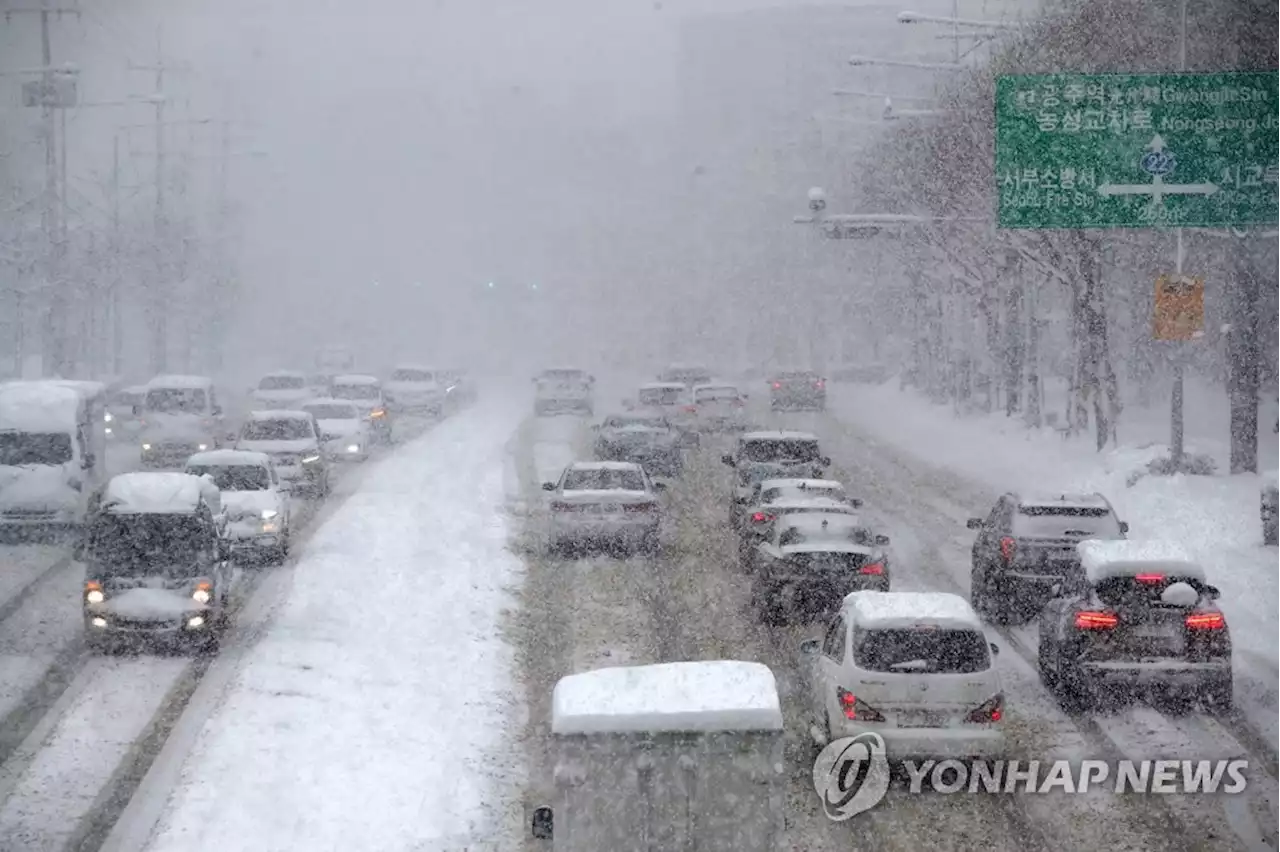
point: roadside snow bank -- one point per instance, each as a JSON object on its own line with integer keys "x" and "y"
{"x": 377, "y": 711}
{"x": 1215, "y": 517}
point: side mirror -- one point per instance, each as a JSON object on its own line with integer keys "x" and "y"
{"x": 548, "y": 486}
{"x": 974, "y": 523}
{"x": 995, "y": 649}
{"x": 825, "y": 461}
{"x": 659, "y": 486}
{"x": 1213, "y": 592}
{"x": 1124, "y": 526}
{"x": 543, "y": 823}
{"x": 855, "y": 502}
{"x": 809, "y": 647}
{"x": 727, "y": 459}
{"x": 882, "y": 540}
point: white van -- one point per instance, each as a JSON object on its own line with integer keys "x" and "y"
{"x": 915, "y": 668}
{"x": 181, "y": 417}
{"x": 52, "y": 452}
{"x": 672, "y": 756}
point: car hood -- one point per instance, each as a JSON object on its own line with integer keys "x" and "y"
{"x": 240, "y": 503}
{"x": 341, "y": 428}
{"x": 144, "y": 603}
{"x": 300, "y": 445}
{"x": 607, "y": 495}
{"x": 36, "y": 486}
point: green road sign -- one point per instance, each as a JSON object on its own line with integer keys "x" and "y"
{"x": 1136, "y": 150}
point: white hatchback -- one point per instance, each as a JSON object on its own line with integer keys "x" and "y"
{"x": 913, "y": 667}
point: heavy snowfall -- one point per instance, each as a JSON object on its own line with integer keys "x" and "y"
{"x": 643, "y": 425}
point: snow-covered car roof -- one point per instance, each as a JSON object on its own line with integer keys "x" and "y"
{"x": 1092, "y": 501}
{"x": 664, "y": 386}
{"x": 279, "y": 414}
{"x": 323, "y": 400}
{"x": 158, "y": 493}
{"x": 229, "y": 458}
{"x": 778, "y": 436}
{"x": 177, "y": 381}
{"x": 356, "y": 379}
{"x": 703, "y": 696}
{"x": 604, "y": 465}
{"x": 905, "y": 610}
{"x": 37, "y": 407}
{"x": 803, "y": 484}
{"x": 1104, "y": 560}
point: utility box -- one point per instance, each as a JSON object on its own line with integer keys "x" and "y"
{"x": 664, "y": 758}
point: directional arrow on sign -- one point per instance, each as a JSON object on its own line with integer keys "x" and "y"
{"x": 1157, "y": 189}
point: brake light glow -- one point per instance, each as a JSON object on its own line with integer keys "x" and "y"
{"x": 1149, "y": 578}
{"x": 378, "y": 412}
{"x": 1206, "y": 621}
{"x": 819, "y": 384}
{"x": 691, "y": 409}
{"x": 1096, "y": 620}
{"x": 761, "y": 518}
{"x": 855, "y": 710}
{"x": 989, "y": 711}
{"x": 875, "y": 568}
{"x": 777, "y": 385}
{"x": 1007, "y": 547}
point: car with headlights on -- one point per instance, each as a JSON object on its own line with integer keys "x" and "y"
{"x": 646, "y": 439}
{"x": 345, "y": 435}
{"x": 255, "y": 502}
{"x": 292, "y": 439}
{"x": 181, "y": 415}
{"x": 367, "y": 392}
{"x": 811, "y": 562}
{"x": 605, "y": 503}
{"x": 1141, "y": 617}
{"x": 156, "y": 564}
{"x": 124, "y": 412}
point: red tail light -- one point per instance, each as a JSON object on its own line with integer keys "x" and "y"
{"x": 691, "y": 409}
{"x": 874, "y": 568}
{"x": 855, "y": 710}
{"x": 1007, "y": 547}
{"x": 761, "y": 518}
{"x": 1206, "y": 621}
{"x": 638, "y": 507}
{"x": 819, "y": 385}
{"x": 989, "y": 711}
{"x": 1096, "y": 620}
{"x": 1150, "y": 578}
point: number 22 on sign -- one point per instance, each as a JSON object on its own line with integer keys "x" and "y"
{"x": 1179, "y": 308}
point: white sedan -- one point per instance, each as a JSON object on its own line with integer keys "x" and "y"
{"x": 345, "y": 432}
{"x": 610, "y": 503}
{"x": 254, "y": 500}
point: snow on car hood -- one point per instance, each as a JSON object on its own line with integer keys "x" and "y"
{"x": 143, "y": 603}
{"x": 248, "y": 503}
{"x": 176, "y": 425}
{"x": 36, "y": 487}
{"x": 341, "y": 428}
{"x": 299, "y": 445}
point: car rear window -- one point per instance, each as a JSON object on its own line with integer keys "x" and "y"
{"x": 825, "y": 561}
{"x": 406, "y": 375}
{"x": 921, "y": 649}
{"x": 780, "y": 451}
{"x": 1060, "y": 521}
{"x": 661, "y": 396}
{"x": 603, "y": 480}
{"x": 716, "y": 394}
{"x": 837, "y": 534}
{"x": 1130, "y": 591}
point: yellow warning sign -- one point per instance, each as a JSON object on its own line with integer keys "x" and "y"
{"x": 1179, "y": 308}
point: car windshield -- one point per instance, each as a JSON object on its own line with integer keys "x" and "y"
{"x": 334, "y": 412}
{"x": 662, "y": 396}
{"x": 716, "y": 394}
{"x": 779, "y": 450}
{"x": 365, "y": 392}
{"x": 147, "y": 544}
{"x": 38, "y": 448}
{"x": 921, "y": 649}
{"x": 289, "y": 429}
{"x": 282, "y": 383}
{"x": 770, "y": 495}
{"x": 235, "y": 477}
{"x": 1059, "y": 521}
{"x": 603, "y": 480}
{"x": 624, "y": 422}
{"x": 1131, "y": 592}
{"x": 410, "y": 375}
{"x": 176, "y": 400}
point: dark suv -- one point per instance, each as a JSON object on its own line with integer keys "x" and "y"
{"x": 1027, "y": 545}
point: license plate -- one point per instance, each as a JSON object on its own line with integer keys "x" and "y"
{"x": 922, "y": 720}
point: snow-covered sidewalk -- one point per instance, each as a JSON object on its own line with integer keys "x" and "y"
{"x": 377, "y": 711}
{"x": 1215, "y": 516}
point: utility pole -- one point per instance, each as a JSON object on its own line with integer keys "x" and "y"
{"x": 157, "y": 307}
{"x": 51, "y": 93}
{"x": 117, "y": 266}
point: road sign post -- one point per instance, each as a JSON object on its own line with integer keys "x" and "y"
{"x": 1136, "y": 150}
